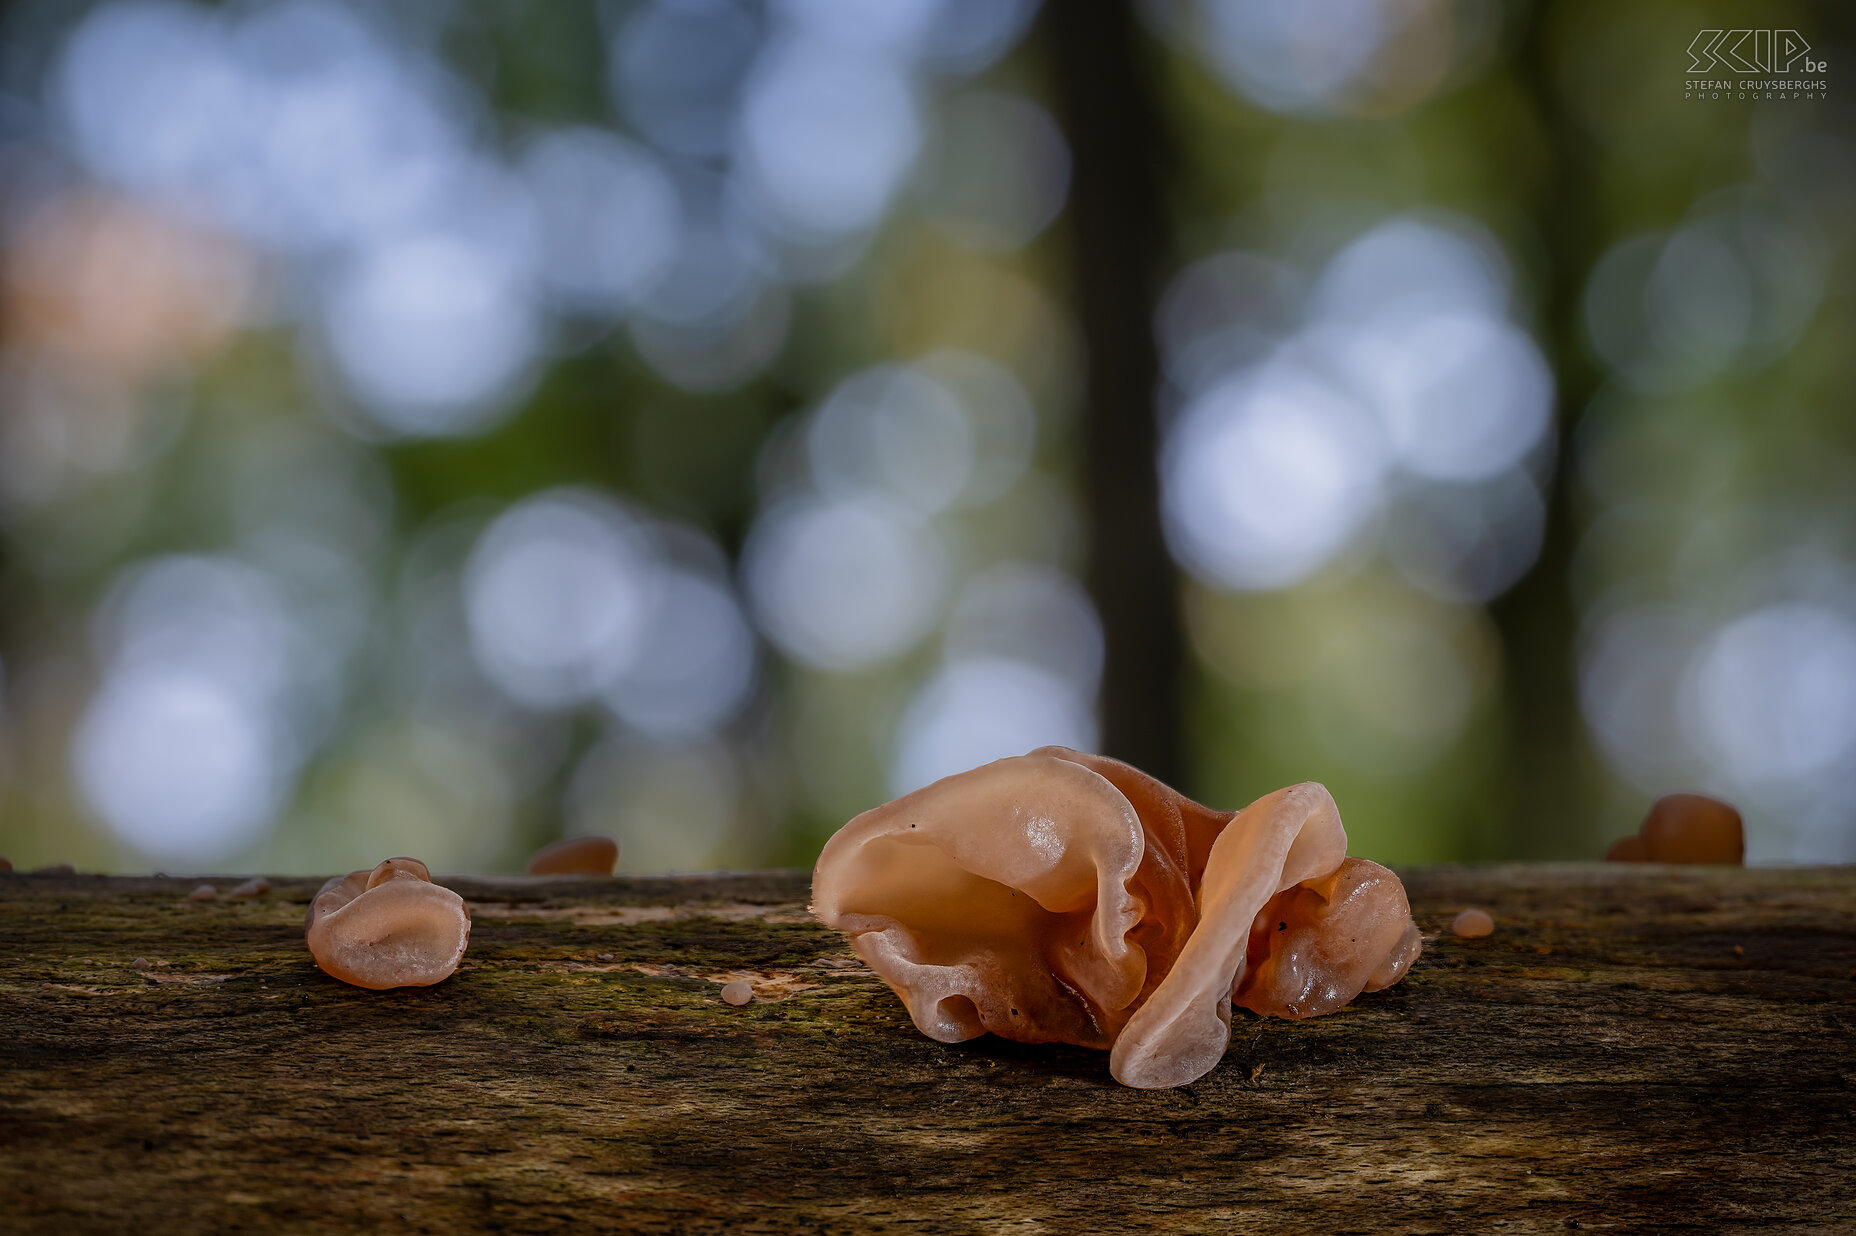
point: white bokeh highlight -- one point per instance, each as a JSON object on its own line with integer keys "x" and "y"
{"x": 610, "y": 218}
{"x": 697, "y": 663}
{"x": 434, "y": 333}
{"x": 894, "y": 431}
{"x": 186, "y": 749}
{"x": 1396, "y": 386}
{"x": 843, "y": 583}
{"x": 558, "y": 594}
{"x": 1268, "y": 476}
{"x": 984, "y": 709}
{"x": 1774, "y": 696}
{"x": 827, "y": 136}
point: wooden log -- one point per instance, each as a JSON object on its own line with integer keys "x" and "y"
{"x": 1636, "y": 1048}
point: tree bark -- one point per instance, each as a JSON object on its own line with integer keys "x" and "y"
{"x": 1553, "y": 773}
{"x": 1635, "y": 1048}
{"x": 1118, "y": 239}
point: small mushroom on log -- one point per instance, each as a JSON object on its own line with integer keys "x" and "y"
{"x": 1685, "y": 828}
{"x": 590, "y": 855}
{"x": 389, "y": 927}
{"x": 1472, "y": 924}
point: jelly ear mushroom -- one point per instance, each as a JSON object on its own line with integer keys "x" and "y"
{"x": 1277, "y": 842}
{"x": 997, "y": 900}
{"x": 590, "y": 855}
{"x": 389, "y": 927}
{"x": 1316, "y": 946}
{"x": 1066, "y": 897}
{"x": 1685, "y": 828}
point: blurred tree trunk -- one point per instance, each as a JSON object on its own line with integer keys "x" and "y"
{"x": 1117, "y": 228}
{"x": 1552, "y": 778}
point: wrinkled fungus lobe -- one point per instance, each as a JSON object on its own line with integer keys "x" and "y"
{"x": 1065, "y": 897}
{"x": 1685, "y": 828}
{"x": 576, "y": 856}
{"x": 389, "y": 927}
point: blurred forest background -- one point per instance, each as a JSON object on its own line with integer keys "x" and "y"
{"x": 436, "y": 428}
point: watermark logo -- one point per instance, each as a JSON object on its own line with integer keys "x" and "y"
{"x": 1766, "y": 64}
{"x": 1752, "y": 51}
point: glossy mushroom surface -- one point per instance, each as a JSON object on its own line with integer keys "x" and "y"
{"x": 1066, "y": 897}
{"x": 589, "y": 855}
{"x": 1685, "y": 828}
{"x": 389, "y": 927}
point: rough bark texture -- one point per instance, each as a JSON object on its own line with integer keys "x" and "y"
{"x": 1635, "y": 1049}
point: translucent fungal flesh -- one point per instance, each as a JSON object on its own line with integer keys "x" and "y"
{"x": 1472, "y": 924}
{"x": 389, "y": 927}
{"x": 1065, "y": 897}
{"x": 1685, "y": 828}
{"x": 738, "y": 992}
{"x": 576, "y": 856}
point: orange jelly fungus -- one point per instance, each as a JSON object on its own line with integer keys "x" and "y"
{"x": 389, "y": 927}
{"x": 592, "y": 855}
{"x": 1685, "y": 828}
{"x": 1065, "y": 897}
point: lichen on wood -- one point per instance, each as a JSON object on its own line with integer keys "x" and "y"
{"x": 1636, "y": 1048}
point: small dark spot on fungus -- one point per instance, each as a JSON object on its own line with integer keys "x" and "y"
{"x": 1472, "y": 924}
{"x": 203, "y": 892}
{"x": 590, "y": 855}
{"x": 737, "y": 993}
{"x": 1685, "y": 828}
